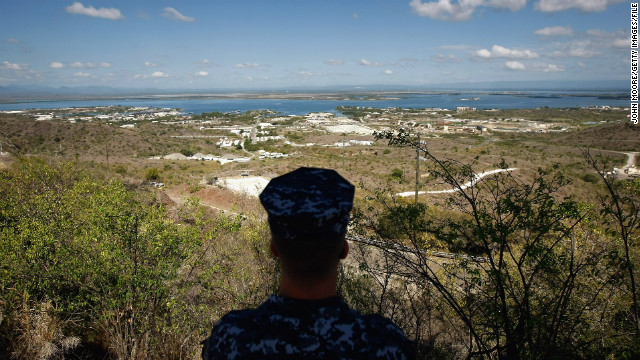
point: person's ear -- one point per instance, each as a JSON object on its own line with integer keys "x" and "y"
{"x": 345, "y": 250}
{"x": 273, "y": 249}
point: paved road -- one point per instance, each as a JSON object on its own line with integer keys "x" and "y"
{"x": 476, "y": 178}
{"x": 631, "y": 159}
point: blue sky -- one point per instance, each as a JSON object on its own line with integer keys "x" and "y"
{"x": 280, "y": 43}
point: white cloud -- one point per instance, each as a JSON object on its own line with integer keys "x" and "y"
{"x": 13, "y": 41}
{"x": 604, "y": 39}
{"x": 514, "y": 65}
{"x": 105, "y": 13}
{"x": 334, "y": 62}
{"x": 247, "y": 65}
{"x": 584, "y": 5}
{"x": 202, "y": 73}
{"x": 551, "y": 68}
{"x": 622, "y": 43}
{"x": 306, "y": 74}
{"x": 555, "y": 31}
{"x": 174, "y": 14}
{"x": 82, "y": 74}
{"x": 580, "y": 49}
{"x": 365, "y": 62}
{"x": 159, "y": 74}
{"x": 150, "y": 64}
{"x": 205, "y": 61}
{"x": 81, "y": 65}
{"x": 483, "y": 53}
{"x": 13, "y": 66}
{"x": 388, "y": 72}
{"x": 498, "y": 51}
{"x": 460, "y": 10}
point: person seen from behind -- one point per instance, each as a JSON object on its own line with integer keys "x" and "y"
{"x": 308, "y": 212}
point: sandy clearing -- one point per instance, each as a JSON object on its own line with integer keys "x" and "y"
{"x": 250, "y": 185}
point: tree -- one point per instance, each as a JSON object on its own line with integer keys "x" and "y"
{"x": 517, "y": 264}
{"x": 620, "y": 210}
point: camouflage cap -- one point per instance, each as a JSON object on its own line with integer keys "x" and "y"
{"x": 308, "y": 203}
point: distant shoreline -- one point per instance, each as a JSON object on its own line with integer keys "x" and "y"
{"x": 331, "y": 96}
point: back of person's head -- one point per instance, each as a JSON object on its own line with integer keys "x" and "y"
{"x": 308, "y": 212}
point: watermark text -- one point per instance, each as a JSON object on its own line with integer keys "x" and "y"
{"x": 634, "y": 63}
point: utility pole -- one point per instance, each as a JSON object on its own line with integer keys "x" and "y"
{"x": 344, "y": 135}
{"x": 417, "y": 167}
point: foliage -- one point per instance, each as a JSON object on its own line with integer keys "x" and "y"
{"x": 532, "y": 276}
{"x": 620, "y": 211}
{"x": 397, "y": 174}
{"x": 186, "y": 152}
{"x": 152, "y": 174}
{"x": 111, "y": 266}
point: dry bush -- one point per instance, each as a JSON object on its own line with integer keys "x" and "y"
{"x": 39, "y": 333}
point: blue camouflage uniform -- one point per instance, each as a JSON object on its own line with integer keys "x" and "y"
{"x": 284, "y": 328}
{"x": 307, "y": 204}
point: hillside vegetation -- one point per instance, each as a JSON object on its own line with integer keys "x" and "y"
{"x": 535, "y": 263}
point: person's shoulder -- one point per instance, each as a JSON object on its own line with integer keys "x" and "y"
{"x": 382, "y": 327}
{"x": 234, "y": 318}
{"x": 385, "y": 339}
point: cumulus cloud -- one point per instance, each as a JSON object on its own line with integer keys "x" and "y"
{"x": 202, "y": 73}
{"x": 555, "y": 31}
{"x": 551, "y": 68}
{"x": 460, "y": 10}
{"x": 365, "y": 62}
{"x": 157, "y": 74}
{"x": 81, "y": 65}
{"x": 498, "y": 51}
{"x": 604, "y": 39}
{"x": 82, "y": 74}
{"x": 514, "y": 65}
{"x": 306, "y": 74}
{"x": 579, "y": 49}
{"x": 334, "y": 62}
{"x": 622, "y": 43}
{"x": 247, "y": 65}
{"x": 388, "y": 72}
{"x": 105, "y": 13}
{"x": 13, "y": 66}
{"x": 150, "y": 64}
{"x": 174, "y": 14}
{"x": 584, "y": 5}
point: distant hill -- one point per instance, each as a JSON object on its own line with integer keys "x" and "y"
{"x": 617, "y": 136}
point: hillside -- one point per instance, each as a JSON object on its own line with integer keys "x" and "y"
{"x": 616, "y": 136}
